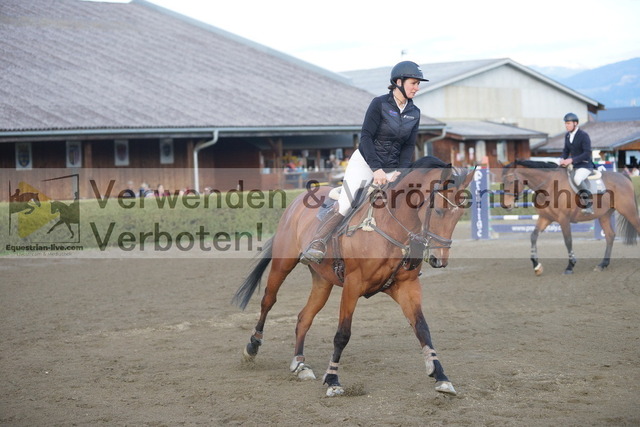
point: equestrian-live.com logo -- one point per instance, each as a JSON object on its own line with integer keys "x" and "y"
{"x": 39, "y": 223}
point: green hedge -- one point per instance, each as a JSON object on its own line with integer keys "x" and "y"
{"x": 102, "y": 223}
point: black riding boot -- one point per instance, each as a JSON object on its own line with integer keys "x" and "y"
{"x": 318, "y": 246}
{"x": 586, "y": 197}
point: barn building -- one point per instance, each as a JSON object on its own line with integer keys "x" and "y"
{"x": 135, "y": 93}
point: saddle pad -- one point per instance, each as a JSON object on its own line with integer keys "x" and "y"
{"x": 595, "y": 181}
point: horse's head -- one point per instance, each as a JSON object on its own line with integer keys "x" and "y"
{"x": 510, "y": 186}
{"x": 521, "y": 173}
{"x": 436, "y": 196}
{"x": 447, "y": 201}
{"x": 55, "y": 206}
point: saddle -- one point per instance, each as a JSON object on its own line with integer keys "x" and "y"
{"x": 333, "y": 197}
{"x": 594, "y": 180}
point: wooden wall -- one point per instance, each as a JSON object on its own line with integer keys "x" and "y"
{"x": 221, "y": 166}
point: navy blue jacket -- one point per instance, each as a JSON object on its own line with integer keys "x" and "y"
{"x": 388, "y": 137}
{"x": 579, "y": 150}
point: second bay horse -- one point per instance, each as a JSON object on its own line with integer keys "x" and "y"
{"x": 555, "y": 200}
{"x": 418, "y": 212}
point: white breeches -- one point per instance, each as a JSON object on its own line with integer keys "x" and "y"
{"x": 357, "y": 175}
{"x": 580, "y": 175}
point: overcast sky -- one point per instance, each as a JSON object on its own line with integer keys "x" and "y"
{"x": 343, "y": 35}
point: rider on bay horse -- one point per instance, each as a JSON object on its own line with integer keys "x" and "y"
{"x": 577, "y": 152}
{"x": 387, "y": 143}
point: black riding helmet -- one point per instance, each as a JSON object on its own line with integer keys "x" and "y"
{"x": 406, "y": 70}
{"x": 570, "y": 117}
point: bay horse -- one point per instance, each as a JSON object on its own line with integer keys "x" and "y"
{"x": 555, "y": 200}
{"x": 387, "y": 260}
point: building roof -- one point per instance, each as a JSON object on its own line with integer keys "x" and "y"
{"x": 603, "y": 135}
{"x": 474, "y": 130}
{"x": 447, "y": 73}
{"x": 92, "y": 67}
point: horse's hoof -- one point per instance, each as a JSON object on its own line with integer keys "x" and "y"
{"x": 538, "y": 269}
{"x": 248, "y": 357}
{"x": 300, "y": 369}
{"x": 599, "y": 268}
{"x": 446, "y": 387}
{"x": 306, "y": 374}
{"x": 335, "y": 390}
{"x": 568, "y": 271}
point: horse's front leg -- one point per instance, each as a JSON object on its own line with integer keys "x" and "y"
{"x": 320, "y": 291}
{"x": 565, "y": 225}
{"x": 540, "y": 226}
{"x": 350, "y": 295}
{"x": 408, "y": 295}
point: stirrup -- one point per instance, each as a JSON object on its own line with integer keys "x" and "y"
{"x": 313, "y": 255}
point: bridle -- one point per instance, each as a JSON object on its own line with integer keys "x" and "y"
{"x": 515, "y": 195}
{"x": 424, "y": 240}
{"x": 427, "y": 238}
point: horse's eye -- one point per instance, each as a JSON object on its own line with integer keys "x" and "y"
{"x": 439, "y": 212}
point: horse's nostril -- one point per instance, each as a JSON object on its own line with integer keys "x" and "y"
{"x": 434, "y": 262}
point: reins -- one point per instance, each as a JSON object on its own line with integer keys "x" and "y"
{"x": 424, "y": 237}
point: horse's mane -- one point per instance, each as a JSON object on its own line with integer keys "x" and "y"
{"x": 534, "y": 164}
{"x": 431, "y": 162}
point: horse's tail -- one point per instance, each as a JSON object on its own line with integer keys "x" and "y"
{"x": 628, "y": 231}
{"x": 252, "y": 282}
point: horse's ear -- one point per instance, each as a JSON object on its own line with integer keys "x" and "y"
{"x": 446, "y": 175}
{"x": 468, "y": 178}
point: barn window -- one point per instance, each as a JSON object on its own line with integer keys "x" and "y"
{"x": 166, "y": 151}
{"x": 24, "y": 160}
{"x": 121, "y": 152}
{"x": 502, "y": 152}
{"x": 74, "y": 154}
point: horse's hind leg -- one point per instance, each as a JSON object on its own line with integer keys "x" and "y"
{"x": 320, "y": 291}
{"x": 609, "y": 235}
{"x": 280, "y": 269}
{"x": 70, "y": 230}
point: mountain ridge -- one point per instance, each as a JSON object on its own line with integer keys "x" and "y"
{"x": 614, "y": 85}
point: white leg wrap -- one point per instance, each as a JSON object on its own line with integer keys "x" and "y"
{"x": 429, "y": 357}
